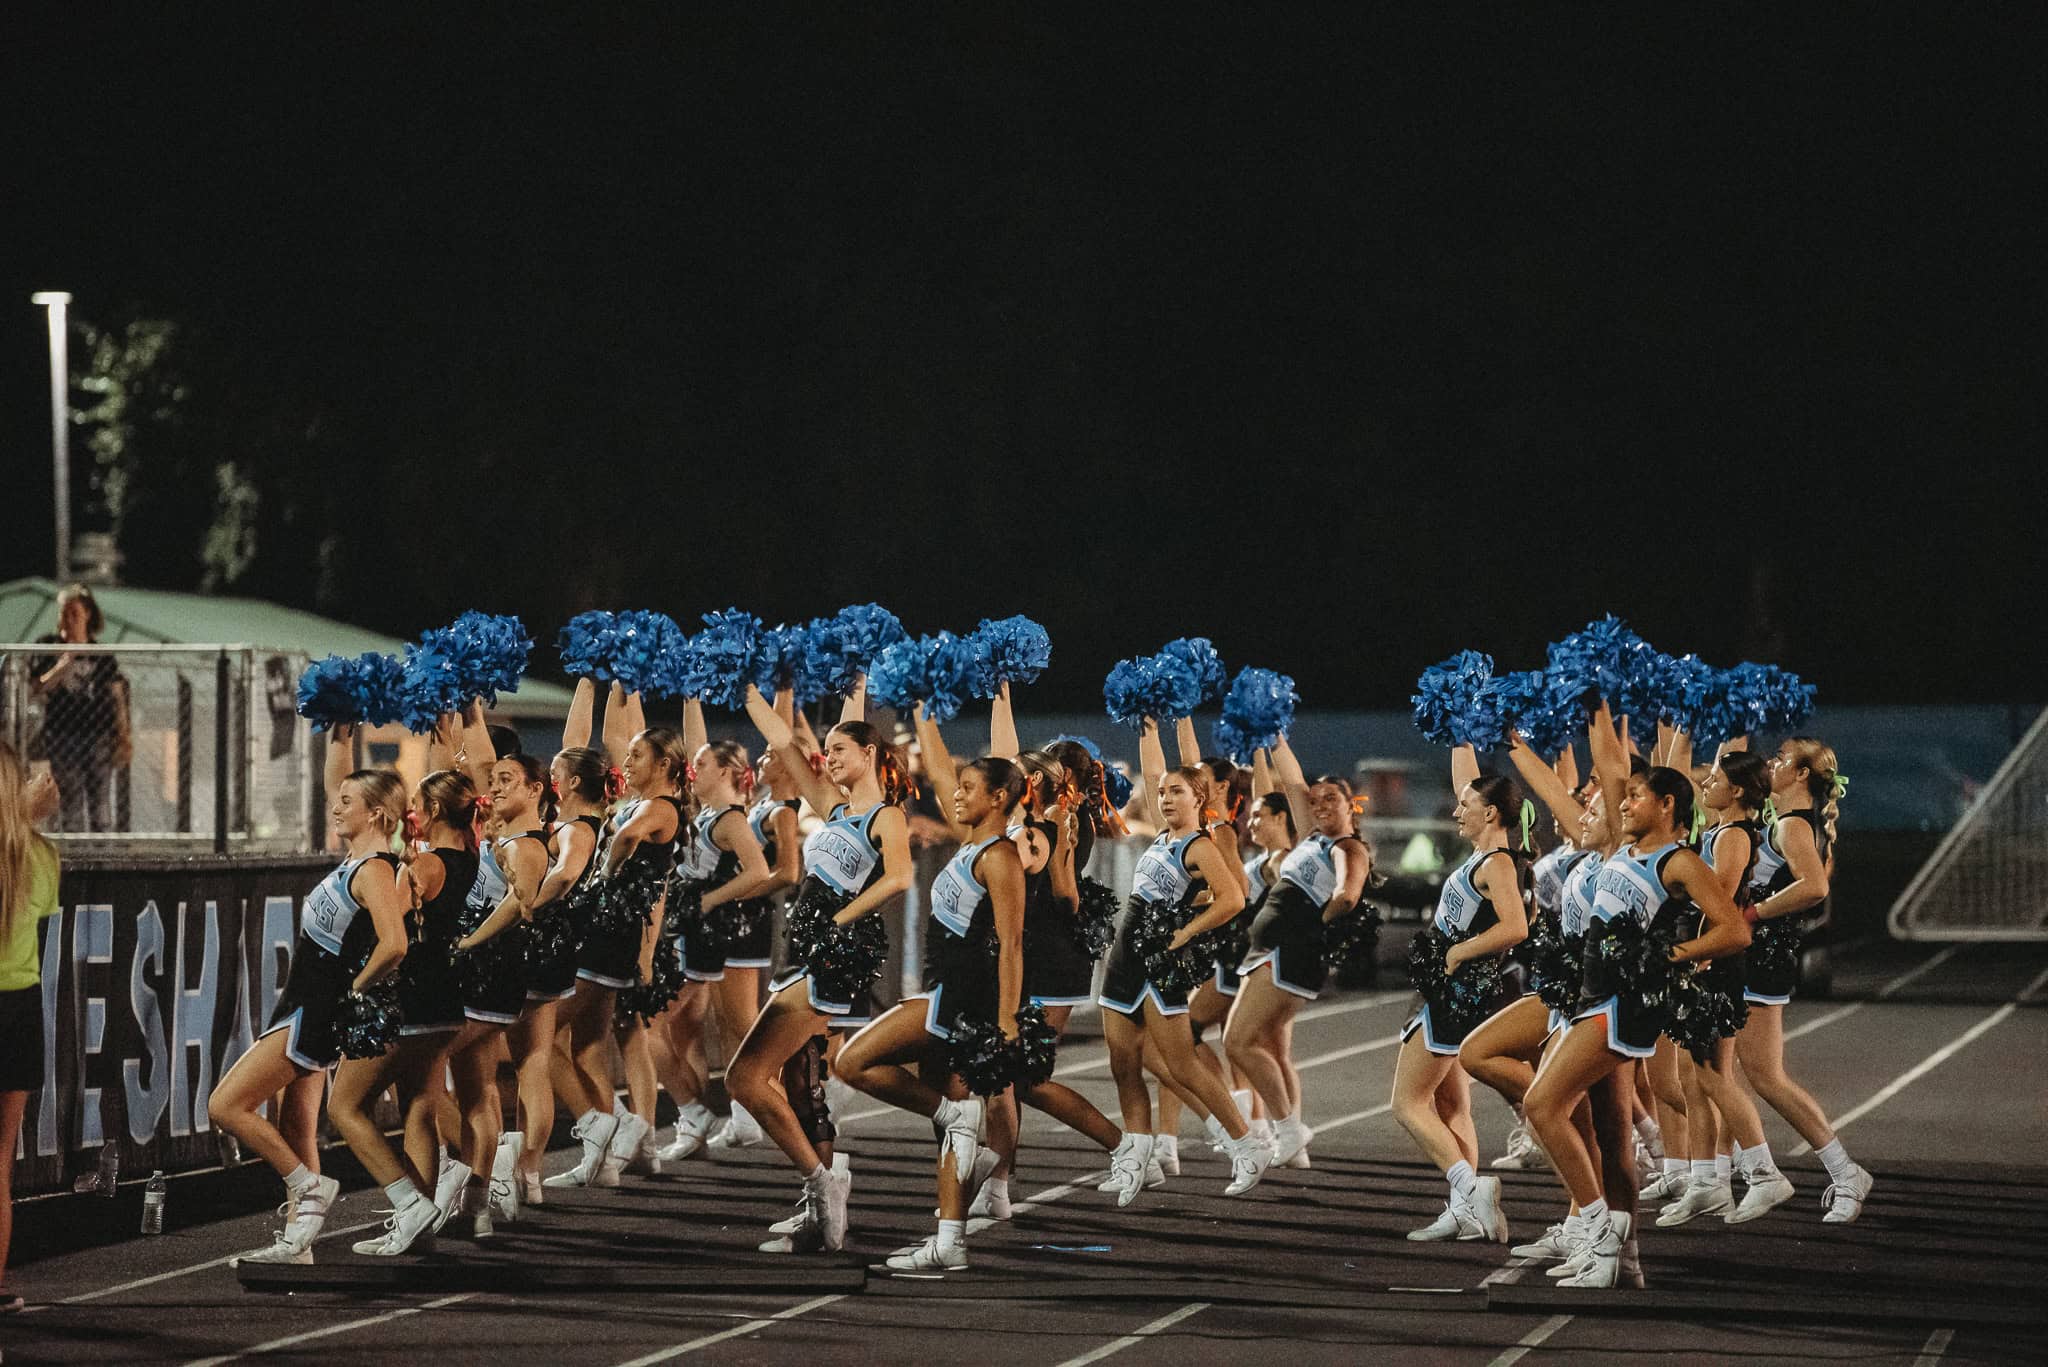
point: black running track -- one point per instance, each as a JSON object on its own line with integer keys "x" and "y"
{"x": 1933, "y": 1072}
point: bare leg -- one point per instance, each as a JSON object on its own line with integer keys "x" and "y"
{"x": 1204, "y": 1089}
{"x": 1761, "y": 1047}
{"x": 1418, "y": 1075}
{"x": 1566, "y": 1078}
{"x": 1263, "y": 1010}
{"x": 1126, "y": 1038}
{"x": 1663, "y": 1071}
{"x": 1723, "y": 1087}
{"x": 1502, "y": 1052}
{"x": 358, "y": 1082}
{"x": 879, "y": 1059}
{"x": 755, "y": 1075}
{"x": 532, "y": 1041}
{"x": 1454, "y": 1107}
{"x": 255, "y": 1077}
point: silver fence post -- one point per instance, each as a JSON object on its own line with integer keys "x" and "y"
{"x": 220, "y": 753}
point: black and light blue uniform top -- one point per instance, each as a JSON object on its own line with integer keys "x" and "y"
{"x": 1631, "y": 886}
{"x": 658, "y": 853}
{"x": 1163, "y": 877}
{"x": 491, "y": 885}
{"x": 1771, "y": 873}
{"x": 956, "y": 893}
{"x": 843, "y": 853}
{"x": 761, "y": 818}
{"x": 1548, "y": 875}
{"x": 1580, "y": 884}
{"x": 699, "y": 857}
{"x": 1461, "y": 909}
{"x": 1255, "y": 874}
{"x": 333, "y": 919}
{"x": 1711, "y": 838}
{"x": 1312, "y": 867}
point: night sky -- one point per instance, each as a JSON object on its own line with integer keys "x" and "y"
{"x": 1346, "y": 342}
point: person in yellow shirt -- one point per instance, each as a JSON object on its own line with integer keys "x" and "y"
{"x": 28, "y": 893}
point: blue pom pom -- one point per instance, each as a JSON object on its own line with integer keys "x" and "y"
{"x": 1458, "y": 702}
{"x": 368, "y": 689}
{"x": 1689, "y": 687}
{"x": 956, "y": 669}
{"x": 1545, "y": 707}
{"x": 1644, "y": 674}
{"x": 430, "y": 684}
{"x": 643, "y": 650}
{"x": 1163, "y": 687}
{"x": 898, "y": 678}
{"x": 489, "y": 652}
{"x": 1788, "y": 702}
{"x": 844, "y": 646}
{"x": 720, "y": 661}
{"x": 1018, "y": 650}
{"x": 1259, "y": 707}
{"x": 1601, "y": 658}
{"x": 1228, "y": 738}
{"x": 585, "y": 646}
{"x": 1203, "y": 662}
{"x": 783, "y": 660}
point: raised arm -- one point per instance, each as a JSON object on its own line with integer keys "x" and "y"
{"x": 855, "y": 708}
{"x": 1262, "y": 775}
{"x": 1002, "y": 725}
{"x": 819, "y": 791}
{"x": 1678, "y": 754}
{"x": 582, "y": 707}
{"x": 1610, "y": 767}
{"x": 444, "y": 741}
{"x": 1152, "y": 769}
{"x": 618, "y": 724}
{"x": 1295, "y": 784}
{"x": 341, "y": 758}
{"x": 478, "y": 752}
{"x": 1464, "y": 768}
{"x": 695, "y": 736}
{"x": 1544, "y": 782}
{"x": 944, "y": 774}
{"x": 1567, "y": 768}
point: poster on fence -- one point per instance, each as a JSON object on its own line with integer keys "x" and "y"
{"x": 157, "y": 974}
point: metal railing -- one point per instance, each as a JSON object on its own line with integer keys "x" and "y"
{"x": 164, "y": 749}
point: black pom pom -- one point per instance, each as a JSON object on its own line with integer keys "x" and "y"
{"x": 1774, "y": 948}
{"x": 1624, "y": 957}
{"x": 1152, "y": 927}
{"x": 647, "y": 1000}
{"x": 496, "y": 961}
{"x": 1556, "y": 965}
{"x": 843, "y": 961}
{"x": 1460, "y": 1000}
{"x": 1702, "y": 1018}
{"x": 624, "y": 902}
{"x": 985, "y": 1058}
{"x": 1227, "y": 945}
{"x": 552, "y": 940}
{"x": 1352, "y": 939}
{"x": 1095, "y": 920}
{"x": 367, "y": 1024}
{"x": 1037, "y": 1043}
{"x": 682, "y": 907}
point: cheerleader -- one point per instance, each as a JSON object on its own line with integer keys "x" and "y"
{"x": 853, "y": 865}
{"x": 1322, "y": 878}
{"x": 510, "y": 870}
{"x": 1791, "y": 881}
{"x": 1182, "y": 863}
{"x": 351, "y": 938}
{"x": 720, "y": 870}
{"x": 1652, "y": 886}
{"x": 1481, "y": 911}
{"x": 1733, "y": 791}
{"x": 973, "y": 979}
{"x": 1058, "y": 970}
{"x": 438, "y": 879}
{"x": 617, "y": 952}
{"x": 1273, "y": 835}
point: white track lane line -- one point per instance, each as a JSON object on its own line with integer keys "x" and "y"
{"x": 1140, "y": 1334}
{"x": 295, "y": 1339}
{"x": 1933, "y": 962}
{"x": 175, "y": 1273}
{"x": 1932, "y": 1350}
{"x": 2027, "y": 993}
{"x": 1535, "y": 1338}
{"x": 1920, "y": 1069}
{"x": 737, "y": 1331}
{"x": 1808, "y": 1027}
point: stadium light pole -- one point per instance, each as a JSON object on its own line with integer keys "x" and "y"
{"x": 58, "y": 303}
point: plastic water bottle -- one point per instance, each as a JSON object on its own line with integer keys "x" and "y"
{"x": 110, "y": 1169}
{"x": 153, "y": 1203}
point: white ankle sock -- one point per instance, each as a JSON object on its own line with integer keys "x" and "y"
{"x": 1674, "y": 1165}
{"x": 403, "y": 1193}
{"x": 1757, "y": 1161}
{"x": 301, "y": 1178}
{"x": 695, "y": 1113}
{"x": 948, "y": 1109}
{"x": 1460, "y": 1177}
{"x": 815, "y": 1178}
{"x": 1702, "y": 1171}
{"x": 998, "y": 1186}
{"x": 1724, "y": 1167}
{"x": 952, "y": 1233}
{"x": 1594, "y": 1213}
{"x": 1840, "y": 1166}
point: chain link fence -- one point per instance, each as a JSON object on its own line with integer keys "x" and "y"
{"x": 161, "y": 749}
